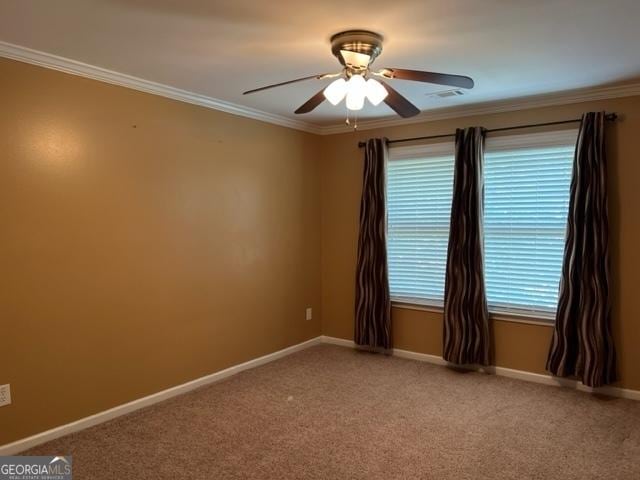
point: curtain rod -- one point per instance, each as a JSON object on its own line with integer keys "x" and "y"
{"x": 609, "y": 116}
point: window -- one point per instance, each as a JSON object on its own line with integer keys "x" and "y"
{"x": 527, "y": 179}
{"x": 419, "y": 189}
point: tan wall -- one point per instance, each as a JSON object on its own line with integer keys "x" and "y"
{"x": 518, "y": 346}
{"x": 145, "y": 242}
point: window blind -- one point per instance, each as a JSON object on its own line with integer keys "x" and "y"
{"x": 419, "y": 189}
{"x": 527, "y": 180}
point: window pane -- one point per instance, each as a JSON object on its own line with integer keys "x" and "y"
{"x": 419, "y": 193}
{"x": 526, "y": 204}
{"x": 527, "y": 180}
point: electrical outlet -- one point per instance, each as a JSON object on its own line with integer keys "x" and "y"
{"x": 5, "y": 395}
{"x": 309, "y": 314}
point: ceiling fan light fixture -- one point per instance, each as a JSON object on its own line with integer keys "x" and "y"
{"x": 356, "y": 50}
{"x": 375, "y": 92}
{"x": 336, "y": 91}
{"x": 356, "y": 92}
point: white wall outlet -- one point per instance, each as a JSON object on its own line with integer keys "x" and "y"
{"x": 309, "y": 314}
{"x": 5, "y": 395}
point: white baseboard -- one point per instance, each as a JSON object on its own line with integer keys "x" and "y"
{"x": 503, "y": 371}
{"x": 343, "y": 342}
{"x": 86, "y": 422}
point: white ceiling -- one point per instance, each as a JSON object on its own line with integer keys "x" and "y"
{"x": 511, "y": 48}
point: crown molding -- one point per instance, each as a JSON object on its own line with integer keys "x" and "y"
{"x": 67, "y": 65}
{"x": 74, "y": 67}
{"x": 520, "y": 103}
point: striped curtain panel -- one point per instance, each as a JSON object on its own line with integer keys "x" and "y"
{"x": 373, "y": 305}
{"x": 582, "y": 343}
{"x": 466, "y": 317}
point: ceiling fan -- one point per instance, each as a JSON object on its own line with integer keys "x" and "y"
{"x": 356, "y": 50}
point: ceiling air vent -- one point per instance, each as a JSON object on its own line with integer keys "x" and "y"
{"x": 448, "y": 93}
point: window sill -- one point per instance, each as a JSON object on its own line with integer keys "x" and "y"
{"x": 417, "y": 305}
{"x": 512, "y": 317}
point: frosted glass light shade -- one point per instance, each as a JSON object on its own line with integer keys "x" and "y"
{"x": 375, "y": 91}
{"x": 356, "y": 92}
{"x": 336, "y": 91}
{"x": 356, "y": 89}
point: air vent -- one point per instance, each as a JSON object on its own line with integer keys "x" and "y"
{"x": 449, "y": 93}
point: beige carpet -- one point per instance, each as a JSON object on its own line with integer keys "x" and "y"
{"x": 330, "y": 412}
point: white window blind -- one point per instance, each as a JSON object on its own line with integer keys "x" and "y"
{"x": 419, "y": 189}
{"x": 527, "y": 180}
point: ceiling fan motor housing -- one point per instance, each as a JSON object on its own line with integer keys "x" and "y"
{"x": 357, "y": 41}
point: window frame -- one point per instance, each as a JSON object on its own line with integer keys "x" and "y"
{"x": 556, "y": 138}
{"x": 408, "y": 152}
{"x": 493, "y": 143}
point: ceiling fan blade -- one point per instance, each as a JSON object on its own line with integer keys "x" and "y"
{"x": 312, "y": 103}
{"x": 317, "y": 77}
{"x": 399, "y": 104}
{"x": 429, "y": 77}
